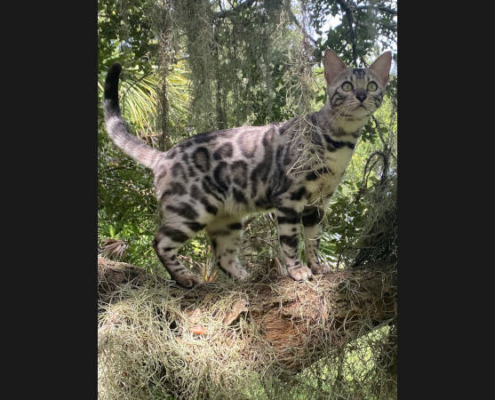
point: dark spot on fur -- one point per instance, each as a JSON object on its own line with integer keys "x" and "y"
{"x": 239, "y": 196}
{"x": 221, "y": 176}
{"x": 330, "y": 148}
{"x": 264, "y": 203}
{"x": 201, "y": 159}
{"x": 204, "y": 137}
{"x": 179, "y": 172}
{"x": 288, "y": 212}
{"x": 185, "y": 144}
{"x": 174, "y": 234}
{"x": 195, "y": 192}
{"x": 291, "y": 241}
{"x": 178, "y": 188}
{"x": 262, "y": 170}
{"x": 208, "y": 206}
{"x": 312, "y": 216}
{"x": 224, "y": 151}
{"x": 293, "y": 219}
{"x": 339, "y": 132}
{"x": 171, "y": 153}
{"x": 288, "y": 216}
{"x": 190, "y": 169}
{"x": 359, "y": 72}
{"x": 337, "y": 99}
{"x": 212, "y": 188}
{"x": 184, "y": 210}
{"x": 175, "y": 188}
{"x": 313, "y": 175}
{"x": 283, "y": 184}
{"x": 288, "y": 157}
{"x": 235, "y": 226}
{"x": 335, "y": 144}
{"x": 238, "y": 170}
{"x": 195, "y": 226}
{"x": 297, "y": 195}
{"x": 167, "y": 249}
{"x": 316, "y": 138}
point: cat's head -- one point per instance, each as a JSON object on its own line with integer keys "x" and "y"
{"x": 354, "y": 91}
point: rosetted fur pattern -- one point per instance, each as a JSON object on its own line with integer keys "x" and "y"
{"x": 212, "y": 180}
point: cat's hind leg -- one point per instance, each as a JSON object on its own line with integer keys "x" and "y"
{"x": 180, "y": 224}
{"x": 226, "y": 235}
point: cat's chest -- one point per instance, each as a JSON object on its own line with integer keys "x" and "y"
{"x": 325, "y": 176}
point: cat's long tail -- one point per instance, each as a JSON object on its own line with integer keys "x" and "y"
{"x": 116, "y": 128}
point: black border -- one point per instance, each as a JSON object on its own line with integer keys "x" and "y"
{"x": 440, "y": 274}
{"x": 55, "y": 289}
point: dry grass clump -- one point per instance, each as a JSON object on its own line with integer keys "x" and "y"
{"x": 159, "y": 342}
{"x": 276, "y": 339}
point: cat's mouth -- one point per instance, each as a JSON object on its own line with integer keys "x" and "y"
{"x": 361, "y": 111}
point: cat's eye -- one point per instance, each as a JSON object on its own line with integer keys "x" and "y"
{"x": 347, "y": 86}
{"x": 372, "y": 86}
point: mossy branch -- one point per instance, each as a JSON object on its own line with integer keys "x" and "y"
{"x": 288, "y": 324}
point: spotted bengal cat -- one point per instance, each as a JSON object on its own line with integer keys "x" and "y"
{"x": 213, "y": 180}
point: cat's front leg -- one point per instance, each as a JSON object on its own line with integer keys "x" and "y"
{"x": 311, "y": 219}
{"x": 289, "y": 227}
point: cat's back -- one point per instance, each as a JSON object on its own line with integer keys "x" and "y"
{"x": 225, "y": 156}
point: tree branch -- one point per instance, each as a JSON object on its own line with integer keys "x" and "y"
{"x": 287, "y": 315}
{"x": 296, "y": 22}
{"x": 346, "y": 9}
{"x": 235, "y": 10}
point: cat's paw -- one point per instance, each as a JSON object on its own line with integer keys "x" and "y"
{"x": 300, "y": 273}
{"x": 318, "y": 269}
{"x": 187, "y": 280}
{"x": 238, "y": 272}
{"x": 243, "y": 275}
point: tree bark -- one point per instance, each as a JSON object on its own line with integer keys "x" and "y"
{"x": 350, "y": 303}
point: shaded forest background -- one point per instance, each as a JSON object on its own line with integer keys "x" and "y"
{"x": 195, "y": 66}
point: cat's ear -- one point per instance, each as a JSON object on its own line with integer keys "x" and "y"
{"x": 333, "y": 66}
{"x": 381, "y": 67}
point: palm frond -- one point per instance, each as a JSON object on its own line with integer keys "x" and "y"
{"x": 140, "y": 99}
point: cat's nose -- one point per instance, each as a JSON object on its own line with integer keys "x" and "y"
{"x": 361, "y": 95}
